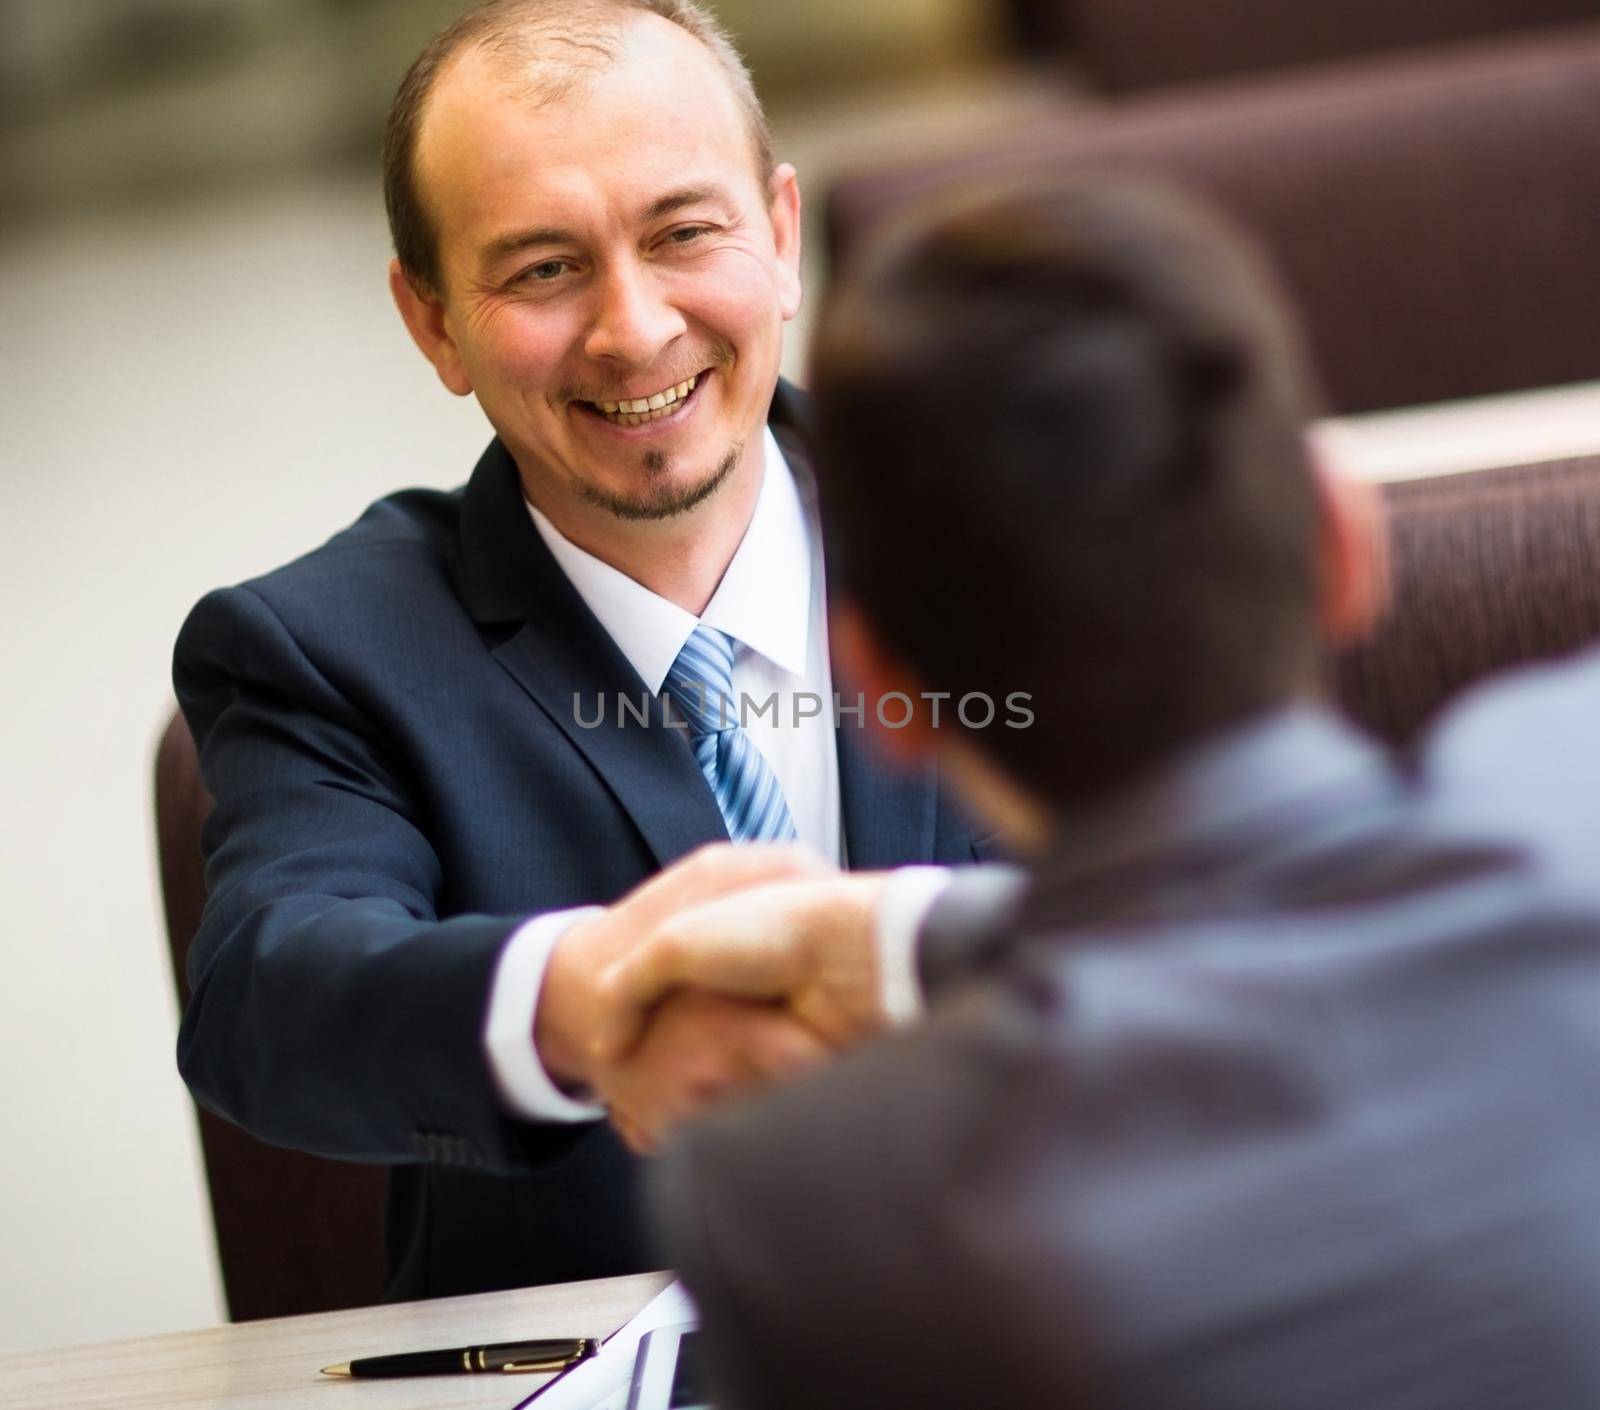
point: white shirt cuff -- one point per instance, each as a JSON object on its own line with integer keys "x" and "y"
{"x": 513, "y": 1060}
{"x": 904, "y": 905}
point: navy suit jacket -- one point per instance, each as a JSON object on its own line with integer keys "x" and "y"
{"x": 1278, "y": 1093}
{"x": 388, "y": 728}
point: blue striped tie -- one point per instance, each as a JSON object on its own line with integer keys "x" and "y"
{"x": 700, "y": 684}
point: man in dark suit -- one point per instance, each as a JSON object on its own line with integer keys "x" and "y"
{"x": 438, "y": 744}
{"x": 1274, "y": 1090}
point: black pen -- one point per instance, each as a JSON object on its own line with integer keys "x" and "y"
{"x": 505, "y": 1356}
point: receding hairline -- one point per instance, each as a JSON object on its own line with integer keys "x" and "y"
{"x": 514, "y": 42}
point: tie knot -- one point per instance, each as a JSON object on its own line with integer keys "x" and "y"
{"x": 700, "y": 682}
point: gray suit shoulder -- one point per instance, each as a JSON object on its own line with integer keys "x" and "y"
{"x": 976, "y": 909}
{"x": 1522, "y": 753}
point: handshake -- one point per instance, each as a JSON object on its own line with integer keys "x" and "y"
{"x": 733, "y": 968}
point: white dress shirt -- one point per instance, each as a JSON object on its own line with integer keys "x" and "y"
{"x": 772, "y": 602}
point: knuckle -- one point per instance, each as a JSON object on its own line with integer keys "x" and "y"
{"x": 666, "y": 945}
{"x": 807, "y": 860}
{"x": 713, "y": 856}
{"x": 709, "y": 1077}
{"x": 599, "y": 1048}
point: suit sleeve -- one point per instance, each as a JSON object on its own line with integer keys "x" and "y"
{"x": 332, "y": 1010}
{"x": 968, "y": 921}
{"x": 853, "y": 1240}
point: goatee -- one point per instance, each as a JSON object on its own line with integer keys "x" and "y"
{"x": 664, "y": 501}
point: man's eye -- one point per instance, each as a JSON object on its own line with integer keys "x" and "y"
{"x": 685, "y": 234}
{"x": 543, "y": 272}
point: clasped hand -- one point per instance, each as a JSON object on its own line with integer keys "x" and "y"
{"x": 738, "y": 966}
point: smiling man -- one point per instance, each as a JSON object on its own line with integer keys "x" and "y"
{"x": 413, "y": 802}
{"x": 610, "y": 276}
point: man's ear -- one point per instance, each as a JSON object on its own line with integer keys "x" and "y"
{"x": 861, "y": 664}
{"x": 984, "y": 787}
{"x": 785, "y": 213}
{"x": 424, "y": 318}
{"x": 1352, "y": 548}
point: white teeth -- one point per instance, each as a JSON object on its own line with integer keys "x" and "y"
{"x": 657, "y": 402}
{"x": 609, "y": 407}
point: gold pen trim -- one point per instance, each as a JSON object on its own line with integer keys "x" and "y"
{"x": 342, "y": 1369}
{"x": 585, "y": 1346}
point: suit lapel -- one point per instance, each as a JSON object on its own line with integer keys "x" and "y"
{"x": 649, "y": 768}
{"x": 567, "y": 663}
{"x": 888, "y": 814}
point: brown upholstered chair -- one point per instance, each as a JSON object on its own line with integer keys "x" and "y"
{"x": 1492, "y": 568}
{"x": 294, "y": 1233}
{"x": 1122, "y": 45}
{"x": 1433, "y": 222}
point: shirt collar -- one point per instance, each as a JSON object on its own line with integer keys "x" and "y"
{"x": 762, "y": 602}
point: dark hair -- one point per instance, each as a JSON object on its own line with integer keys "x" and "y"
{"x": 561, "y": 39}
{"x": 1061, "y": 453}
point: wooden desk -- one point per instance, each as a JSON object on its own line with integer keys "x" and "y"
{"x": 274, "y": 1365}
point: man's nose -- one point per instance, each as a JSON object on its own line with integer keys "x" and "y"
{"x": 633, "y": 320}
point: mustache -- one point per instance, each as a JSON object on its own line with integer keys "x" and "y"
{"x": 615, "y": 389}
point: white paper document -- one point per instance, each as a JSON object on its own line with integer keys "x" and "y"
{"x": 601, "y": 1383}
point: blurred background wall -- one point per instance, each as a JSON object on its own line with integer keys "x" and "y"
{"x": 201, "y": 376}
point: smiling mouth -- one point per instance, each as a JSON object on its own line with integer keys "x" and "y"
{"x": 636, "y": 411}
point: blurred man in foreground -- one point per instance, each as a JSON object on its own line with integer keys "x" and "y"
{"x": 1276, "y": 1090}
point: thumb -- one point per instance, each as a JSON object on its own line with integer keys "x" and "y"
{"x": 743, "y": 946}
{"x": 720, "y": 868}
